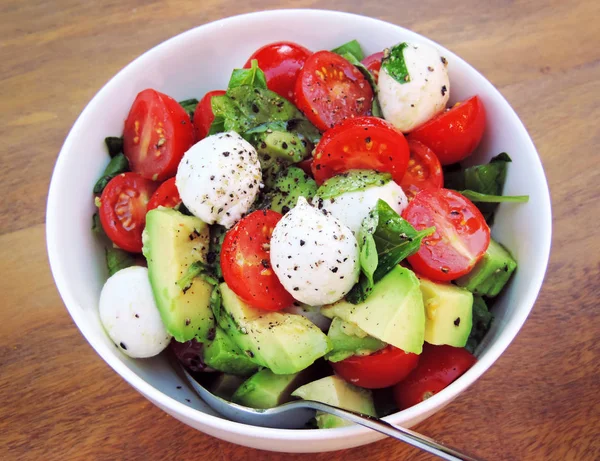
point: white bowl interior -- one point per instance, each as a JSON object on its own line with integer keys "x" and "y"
{"x": 200, "y": 60}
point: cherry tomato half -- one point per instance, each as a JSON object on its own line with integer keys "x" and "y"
{"x": 166, "y": 195}
{"x": 306, "y": 166}
{"x": 438, "y": 367}
{"x": 424, "y": 170}
{"x": 330, "y": 90}
{"x": 157, "y": 133}
{"x": 364, "y": 142}
{"x": 246, "y": 264}
{"x": 461, "y": 234}
{"x": 381, "y": 369}
{"x": 455, "y": 134}
{"x": 203, "y": 115}
{"x": 123, "y": 209}
{"x": 281, "y": 62}
{"x": 373, "y": 63}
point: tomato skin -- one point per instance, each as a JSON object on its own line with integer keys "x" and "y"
{"x": 455, "y": 134}
{"x": 424, "y": 170}
{"x": 373, "y": 63}
{"x": 281, "y": 62}
{"x": 166, "y": 195}
{"x": 361, "y": 143}
{"x": 328, "y": 98}
{"x": 460, "y": 239}
{"x": 381, "y": 369}
{"x": 203, "y": 115}
{"x": 123, "y": 209}
{"x": 306, "y": 166}
{"x": 246, "y": 265}
{"x": 157, "y": 133}
{"x": 438, "y": 367}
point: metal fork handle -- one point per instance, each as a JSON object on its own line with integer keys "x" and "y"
{"x": 405, "y": 435}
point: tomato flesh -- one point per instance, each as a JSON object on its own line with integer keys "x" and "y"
{"x": 246, "y": 264}
{"x": 438, "y": 367}
{"x": 330, "y": 90}
{"x": 157, "y": 133}
{"x": 381, "y": 369}
{"x": 424, "y": 170}
{"x": 281, "y": 62}
{"x": 461, "y": 234}
{"x": 123, "y": 209}
{"x": 203, "y": 115}
{"x": 166, "y": 195}
{"x": 361, "y": 143}
{"x": 456, "y": 133}
{"x": 373, "y": 63}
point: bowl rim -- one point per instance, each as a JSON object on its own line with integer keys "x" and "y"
{"x": 422, "y": 409}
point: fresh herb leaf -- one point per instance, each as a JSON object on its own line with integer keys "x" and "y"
{"x": 96, "y": 224}
{"x": 117, "y": 259}
{"x": 352, "y": 181}
{"x": 197, "y": 269}
{"x": 189, "y": 106}
{"x": 394, "y": 64}
{"x": 482, "y": 321}
{"x": 117, "y": 165}
{"x": 485, "y": 198}
{"x": 352, "y": 47}
{"x": 227, "y": 115}
{"x": 114, "y": 145}
{"x": 184, "y": 210}
{"x": 253, "y": 77}
{"x": 393, "y": 238}
{"x": 376, "y": 108}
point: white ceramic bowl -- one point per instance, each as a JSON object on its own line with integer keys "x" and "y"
{"x": 200, "y": 60}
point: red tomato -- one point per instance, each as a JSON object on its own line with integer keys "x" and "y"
{"x": 306, "y": 166}
{"x": 157, "y": 133}
{"x": 381, "y": 369}
{"x": 424, "y": 170}
{"x": 453, "y": 135}
{"x": 281, "y": 62}
{"x": 364, "y": 142}
{"x": 123, "y": 209}
{"x": 461, "y": 234}
{"x": 246, "y": 264}
{"x": 166, "y": 195}
{"x": 329, "y": 90}
{"x": 373, "y": 63}
{"x": 438, "y": 367}
{"x": 203, "y": 115}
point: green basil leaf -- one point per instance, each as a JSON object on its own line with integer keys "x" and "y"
{"x": 394, "y": 64}
{"x": 189, "y": 105}
{"x": 114, "y": 145}
{"x": 117, "y": 259}
{"x": 351, "y": 181}
{"x": 376, "y": 108}
{"x": 116, "y": 166}
{"x": 394, "y": 239}
{"x": 253, "y": 77}
{"x": 486, "y": 198}
{"x": 482, "y": 321}
{"x": 352, "y": 47}
{"x": 96, "y": 224}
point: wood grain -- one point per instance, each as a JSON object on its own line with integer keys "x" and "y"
{"x": 59, "y": 400}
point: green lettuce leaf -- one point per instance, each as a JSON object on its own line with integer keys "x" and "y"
{"x": 117, "y": 165}
{"x": 482, "y": 321}
{"x": 117, "y": 259}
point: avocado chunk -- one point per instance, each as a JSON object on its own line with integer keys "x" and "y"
{"x": 285, "y": 343}
{"x": 290, "y": 184}
{"x": 393, "y": 313}
{"x": 276, "y": 151}
{"x": 491, "y": 273}
{"x": 265, "y": 389}
{"x": 222, "y": 354}
{"x": 172, "y": 242}
{"x": 348, "y": 340}
{"x": 352, "y": 181}
{"x": 448, "y": 313}
{"x": 225, "y": 385}
{"x": 333, "y": 390}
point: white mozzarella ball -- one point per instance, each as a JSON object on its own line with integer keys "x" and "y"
{"x": 219, "y": 178}
{"x": 130, "y": 316}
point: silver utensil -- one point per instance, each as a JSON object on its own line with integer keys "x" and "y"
{"x": 296, "y": 414}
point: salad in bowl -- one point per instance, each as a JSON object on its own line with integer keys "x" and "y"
{"x": 307, "y": 231}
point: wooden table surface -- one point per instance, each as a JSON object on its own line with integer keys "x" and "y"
{"x": 59, "y": 400}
